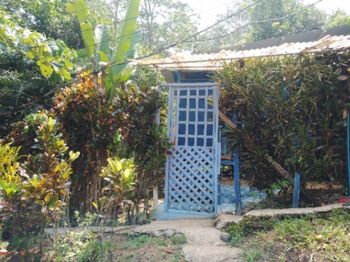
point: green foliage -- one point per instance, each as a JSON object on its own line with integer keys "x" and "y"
{"x": 125, "y": 42}
{"x": 253, "y": 254}
{"x": 80, "y": 9}
{"x": 102, "y": 49}
{"x": 328, "y": 237}
{"x": 10, "y": 181}
{"x": 339, "y": 18}
{"x": 177, "y": 23}
{"x": 137, "y": 241}
{"x": 48, "y": 17}
{"x": 302, "y": 21}
{"x": 35, "y": 192}
{"x": 145, "y": 141}
{"x": 291, "y": 109}
{"x": 325, "y": 236}
{"x": 126, "y": 128}
{"x": 119, "y": 174}
{"x": 50, "y": 168}
{"x": 51, "y": 56}
{"x": 83, "y": 246}
{"x": 178, "y": 239}
{"x": 246, "y": 227}
{"x": 277, "y": 187}
{"x": 86, "y": 118}
{"x": 88, "y": 219}
{"x": 147, "y": 77}
{"x": 89, "y": 125}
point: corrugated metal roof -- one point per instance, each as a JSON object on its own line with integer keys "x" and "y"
{"x": 309, "y": 42}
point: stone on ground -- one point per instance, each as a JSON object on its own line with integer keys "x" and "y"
{"x": 226, "y": 237}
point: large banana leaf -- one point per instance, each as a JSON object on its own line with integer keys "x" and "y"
{"x": 125, "y": 39}
{"x": 88, "y": 37}
{"x": 80, "y": 9}
{"x": 103, "y": 43}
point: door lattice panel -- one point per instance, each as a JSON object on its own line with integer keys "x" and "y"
{"x": 191, "y": 180}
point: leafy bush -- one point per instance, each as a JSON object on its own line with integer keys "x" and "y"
{"x": 83, "y": 245}
{"x": 88, "y": 125}
{"x": 142, "y": 137}
{"x": 291, "y": 108}
{"x": 10, "y": 179}
{"x": 34, "y": 192}
{"x": 124, "y": 127}
{"x": 119, "y": 174}
{"x": 50, "y": 168}
{"x": 23, "y": 90}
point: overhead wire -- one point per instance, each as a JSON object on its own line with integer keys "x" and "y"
{"x": 261, "y": 21}
{"x": 160, "y": 50}
{"x": 213, "y": 25}
{"x": 176, "y": 43}
{"x": 166, "y": 23}
{"x": 205, "y": 29}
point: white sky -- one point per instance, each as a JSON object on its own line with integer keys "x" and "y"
{"x": 208, "y": 9}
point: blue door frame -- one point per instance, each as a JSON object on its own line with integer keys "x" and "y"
{"x": 202, "y": 76}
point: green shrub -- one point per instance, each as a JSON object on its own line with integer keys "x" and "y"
{"x": 145, "y": 141}
{"x": 124, "y": 127}
{"x": 10, "y": 179}
{"x": 292, "y": 109}
{"x": 35, "y": 191}
{"x": 83, "y": 246}
{"x": 119, "y": 175}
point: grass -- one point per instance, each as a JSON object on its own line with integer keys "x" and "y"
{"x": 145, "y": 247}
{"x": 139, "y": 241}
{"x": 248, "y": 226}
{"x": 178, "y": 239}
{"x": 87, "y": 246}
{"x": 253, "y": 254}
{"x": 326, "y": 238}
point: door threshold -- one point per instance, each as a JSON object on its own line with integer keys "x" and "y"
{"x": 172, "y": 214}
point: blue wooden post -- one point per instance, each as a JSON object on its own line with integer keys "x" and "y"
{"x": 348, "y": 148}
{"x": 296, "y": 191}
{"x": 178, "y": 77}
{"x": 237, "y": 185}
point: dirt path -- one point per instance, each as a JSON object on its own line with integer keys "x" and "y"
{"x": 203, "y": 239}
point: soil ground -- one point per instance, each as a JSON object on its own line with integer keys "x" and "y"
{"x": 144, "y": 248}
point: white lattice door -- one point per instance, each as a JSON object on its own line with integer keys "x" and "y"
{"x": 192, "y": 165}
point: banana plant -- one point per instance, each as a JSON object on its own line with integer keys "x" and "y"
{"x": 98, "y": 43}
